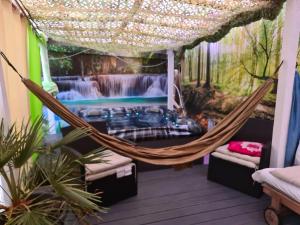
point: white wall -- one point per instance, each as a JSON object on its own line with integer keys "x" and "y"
{"x": 290, "y": 41}
{"x": 13, "y": 42}
{"x": 4, "y": 114}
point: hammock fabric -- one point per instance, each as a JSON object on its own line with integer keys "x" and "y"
{"x": 174, "y": 155}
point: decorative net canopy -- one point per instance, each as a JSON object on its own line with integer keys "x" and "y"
{"x": 135, "y": 26}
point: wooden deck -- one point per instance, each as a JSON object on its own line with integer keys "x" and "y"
{"x": 168, "y": 197}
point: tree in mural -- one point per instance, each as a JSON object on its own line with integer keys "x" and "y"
{"x": 199, "y": 67}
{"x": 218, "y": 68}
{"x": 208, "y": 60}
{"x": 262, "y": 52}
{"x": 190, "y": 67}
{"x": 265, "y": 47}
{"x": 59, "y": 60}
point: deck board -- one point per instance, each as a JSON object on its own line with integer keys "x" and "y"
{"x": 186, "y": 197}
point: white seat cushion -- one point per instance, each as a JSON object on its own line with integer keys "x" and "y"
{"x": 289, "y": 174}
{"x": 265, "y": 176}
{"x": 114, "y": 161}
{"x": 119, "y": 171}
{"x": 224, "y": 150}
{"x": 235, "y": 160}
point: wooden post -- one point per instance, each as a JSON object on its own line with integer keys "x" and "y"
{"x": 290, "y": 40}
{"x": 170, "y": 54}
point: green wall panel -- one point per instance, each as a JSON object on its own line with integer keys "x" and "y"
{"x": 35, "y": 72}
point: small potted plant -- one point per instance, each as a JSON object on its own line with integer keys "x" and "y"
{"x": 42, "y": 190}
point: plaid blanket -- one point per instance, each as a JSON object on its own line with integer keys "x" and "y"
{"x": 149, "y": 133}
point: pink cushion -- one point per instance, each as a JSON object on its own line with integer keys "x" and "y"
{"x": 246, "y": 148}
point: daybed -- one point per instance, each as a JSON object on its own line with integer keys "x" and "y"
{"x": 284, "y": 194}
{"x": 235, "y": 172}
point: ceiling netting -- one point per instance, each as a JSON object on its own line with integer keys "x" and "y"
{"x": 135, "y": 26}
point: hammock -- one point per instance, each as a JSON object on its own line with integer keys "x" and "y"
{"x": 174, "y": 155}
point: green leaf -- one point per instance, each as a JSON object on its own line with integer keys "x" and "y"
{"x": 43, "y": 212}
{"x": 74, "y": 135}
{"x": 95, "y": 156}
{"x": 54, "y": 170}
{"x": 30, "y": 139}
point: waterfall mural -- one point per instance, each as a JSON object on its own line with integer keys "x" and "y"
{"x": 94, "y": 79}
{"x": 111, "y": 86}
{"x": 93, "y": 83}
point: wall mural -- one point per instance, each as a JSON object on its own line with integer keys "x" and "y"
{"x": 91, "y": 84}
{"x": 217, "y": 76}
{"x": 92, "y": 78}
{"x": 111, "y": 86}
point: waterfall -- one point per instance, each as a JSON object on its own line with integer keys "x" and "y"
{"x": 157, "y": 88}
{"x": 114, "y": 86}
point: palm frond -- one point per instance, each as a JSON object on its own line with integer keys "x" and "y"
{"x": 54, "y": 170}
{"x": 43, "y": 212}
{"x": 95, "y": 156}
{"x": 76, "y": 197}
{"x": 8, "y": 142}
{"x": 74, "y": 135}
{"x": 30, "y": 138}
{"x": 59, "y": 174}
{"x": 18, "y": 146}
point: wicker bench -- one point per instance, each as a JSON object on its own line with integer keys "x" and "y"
{"x": 115, "y": 180}
{"x": 239, "y": 176}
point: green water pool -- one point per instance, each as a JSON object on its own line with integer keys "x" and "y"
{"x": 127, "y": 100}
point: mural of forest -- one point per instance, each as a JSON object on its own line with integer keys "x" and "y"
{"x": 217, "y": 76}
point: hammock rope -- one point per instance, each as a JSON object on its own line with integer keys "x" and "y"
{"x": 174, "y": 155}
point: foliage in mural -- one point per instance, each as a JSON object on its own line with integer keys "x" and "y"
{"x": 88, "y": 62}
{"x": 217, "y": 76}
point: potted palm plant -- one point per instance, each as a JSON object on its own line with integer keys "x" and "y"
{"x": 43, "y": 190}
